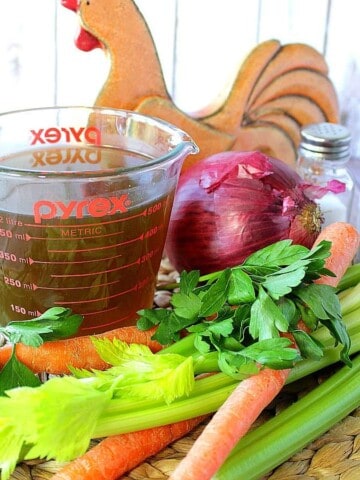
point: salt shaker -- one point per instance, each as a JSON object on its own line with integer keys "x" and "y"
{"x": 324, "y": 152}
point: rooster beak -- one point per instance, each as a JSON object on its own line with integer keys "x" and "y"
{"x": 71, "y": 4}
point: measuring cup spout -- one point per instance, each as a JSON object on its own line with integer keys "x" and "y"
{"x": 189, "y": 146}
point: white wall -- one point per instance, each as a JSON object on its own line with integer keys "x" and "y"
{"x": 201, "y": 44}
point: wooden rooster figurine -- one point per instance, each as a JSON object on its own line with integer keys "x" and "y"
{"x": 278, "y": 88}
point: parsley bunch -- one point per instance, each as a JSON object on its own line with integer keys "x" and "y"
{"x": 244, "y": 313}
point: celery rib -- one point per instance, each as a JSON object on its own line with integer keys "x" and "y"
{"x": 350, "y": 278}
{"x": 112, "y": 424}
{"x": 278, "y": 439}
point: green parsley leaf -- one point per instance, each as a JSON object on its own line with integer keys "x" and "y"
{"x": 189, "y": 281}
{"x": 211, "y": 333}
{"x": 275, "y": 353}
{"x": 16, "y": 374}
{"x": 282, "y": 282}
{"x": 325, "y": 305}
{"x": 289, "y": 310}
{"x": 215, "y": 297}
{"x": 307, "y": 345}
{"x": 318, "y": 255}
{"x": 241, "y": 288}
{"x": 170, "y": 327}
{"x": 266, "y": 318}
{"x": 186, "y": 305}
{"x": 150, "y": 317}
{"x": 322, "y": 300}
{"x": 278, "y": 254}
{"x": 237, "y": 366}
{"x": 55, "y": 323}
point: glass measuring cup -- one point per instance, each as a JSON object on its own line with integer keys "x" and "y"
{"x": 85, "y": 200}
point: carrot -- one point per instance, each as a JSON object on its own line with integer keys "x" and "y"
{"x": 343, "y": 250}
{"x": 56, "y": 356}
{"x": 116, "y": 455}
{"x": 235, "y": 417}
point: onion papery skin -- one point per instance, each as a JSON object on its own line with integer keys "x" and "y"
{"x": 233, "y": 203}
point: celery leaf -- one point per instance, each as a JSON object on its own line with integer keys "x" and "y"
{"x": 113, "y": 351}
{"x": 138, "y": 373}
{"x": 63, "y": 414}
{"x": 11, "y": 444}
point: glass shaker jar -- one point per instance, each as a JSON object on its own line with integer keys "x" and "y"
{"x": 324, "y": 152}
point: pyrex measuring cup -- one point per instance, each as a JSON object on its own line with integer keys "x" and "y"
{"x": 85, "y": 200}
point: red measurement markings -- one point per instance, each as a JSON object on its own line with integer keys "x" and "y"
{"x": 135, "y": 288}
{"x": 70, "y": 262}
{"x": 100, "y": 235}
{"x": 149, "y": 233}
{"x": 36, "y": 287}
{"x": 133, "y": 240}
{"x": 71, "y": 275}
{"x": 144, "y": 258}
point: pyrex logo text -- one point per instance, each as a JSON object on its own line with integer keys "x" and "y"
{"x": 42, "y": 136}
{"x": 96, "y": 207}
{"x": 65, "y": 156}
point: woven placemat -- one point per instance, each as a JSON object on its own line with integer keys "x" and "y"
{"x": 333, "y": 456}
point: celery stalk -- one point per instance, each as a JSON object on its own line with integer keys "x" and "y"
{"x": 281, "y": 437}
{"x": 202, "y": 387}
{"x": 350, "y": 278}
{"x": 113, "y": 424}
{"x": 350, "y": 299}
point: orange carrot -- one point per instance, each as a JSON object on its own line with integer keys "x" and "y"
{"x": 235, "y": 417}
{"x": 56, "y": 356}
{"x": 231, "y": 422}
{"x": 116, "y": 455}
{"x": 345, "y": 243}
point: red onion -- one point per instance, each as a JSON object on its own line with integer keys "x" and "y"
{"x": 233, "y": 203}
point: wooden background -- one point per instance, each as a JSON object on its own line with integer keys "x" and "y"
{"x": 201, "y": 44}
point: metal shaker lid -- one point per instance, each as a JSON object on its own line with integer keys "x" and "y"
{"x": 326, "y": 140}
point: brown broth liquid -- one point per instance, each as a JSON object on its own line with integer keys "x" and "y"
{"x": 104, "y": 269}
{"x": 101, "y": 261}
